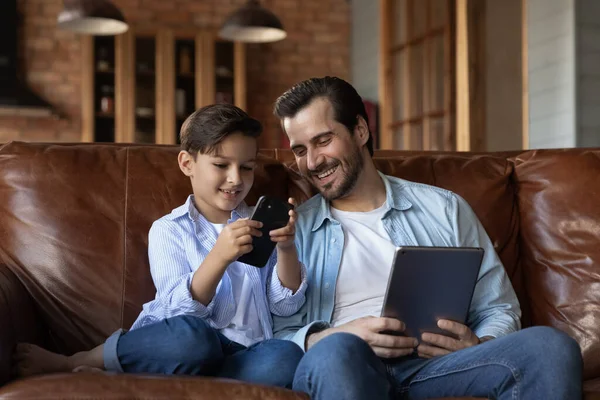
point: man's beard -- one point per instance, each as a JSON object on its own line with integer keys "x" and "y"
{"x": 349, "y": 176}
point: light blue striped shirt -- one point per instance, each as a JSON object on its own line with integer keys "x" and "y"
{"x": 177, "y": 245}
{"x": 416, "y": 215}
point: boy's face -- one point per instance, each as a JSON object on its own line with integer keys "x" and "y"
{"x": 222, "y": 179}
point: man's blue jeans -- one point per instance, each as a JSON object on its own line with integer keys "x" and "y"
{"x": 535, "y": 363}
{"x": 189, "y": 346}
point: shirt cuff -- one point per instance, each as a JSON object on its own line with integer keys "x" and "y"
{"x": 278, "y": 292}
{"x": 186, "y": 303}
{"x": 493, "y": 331}
{"x": 300, "y": 337}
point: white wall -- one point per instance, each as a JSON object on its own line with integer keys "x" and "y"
{"x": 588, "y": 72}
{"x": 563, "y": 40}
{"x": 364, "y": 48}
{"x": 551, "y": 69}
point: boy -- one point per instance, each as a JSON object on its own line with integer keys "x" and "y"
{"x": 211, "y": 315}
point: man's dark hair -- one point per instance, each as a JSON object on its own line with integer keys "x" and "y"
{"x": 347, "y": 103}
{"x": 206, "y": 128}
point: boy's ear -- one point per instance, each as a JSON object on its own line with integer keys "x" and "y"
{"x": 186, "y": 162}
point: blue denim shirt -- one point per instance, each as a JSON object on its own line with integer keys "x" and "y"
{"x": 416, "y": 215}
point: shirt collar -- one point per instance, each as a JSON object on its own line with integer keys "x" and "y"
{"x": 393, "y": 198}
{"x": 189, "y": 208}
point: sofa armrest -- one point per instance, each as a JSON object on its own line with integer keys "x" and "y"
{"x": 18, "y": 319}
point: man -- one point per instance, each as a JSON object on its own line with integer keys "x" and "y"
{"x": 346, "y": 236}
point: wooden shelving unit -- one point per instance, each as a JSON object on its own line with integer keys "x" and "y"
{"x": 156, "y": 79}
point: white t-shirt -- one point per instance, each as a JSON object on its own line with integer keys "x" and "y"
{"x": 245, "y": 327}
{"x": 365, "y": 267}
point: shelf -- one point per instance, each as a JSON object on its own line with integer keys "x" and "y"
{"x": 105, "y": 71}
{"x": 100, "y": 114}
{"x": 158, "y": 70}
{"x": 148, "y": 117}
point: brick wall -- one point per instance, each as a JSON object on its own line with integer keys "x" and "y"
{"x": 317, "y": 44}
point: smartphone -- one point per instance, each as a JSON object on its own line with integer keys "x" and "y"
{"x": 274, "y": 214}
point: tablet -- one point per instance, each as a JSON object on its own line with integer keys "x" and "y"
{"x": 427, "y": 284}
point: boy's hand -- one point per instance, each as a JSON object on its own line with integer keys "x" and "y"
{"x": 285, "y": 236}
{"x": 236, "y": 239}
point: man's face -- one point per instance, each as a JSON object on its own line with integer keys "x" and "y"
{"x": 327, "y": 154}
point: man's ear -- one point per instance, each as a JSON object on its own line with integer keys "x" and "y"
{"x": 186, "y": 163}
{"x": 361, "y": 131}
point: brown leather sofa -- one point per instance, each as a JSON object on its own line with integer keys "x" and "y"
{"x": 74, "y": 220}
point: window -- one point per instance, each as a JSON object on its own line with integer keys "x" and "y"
{"x": 417, "y": 74}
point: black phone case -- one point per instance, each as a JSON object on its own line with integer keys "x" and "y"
{"x": 273, "y": 213}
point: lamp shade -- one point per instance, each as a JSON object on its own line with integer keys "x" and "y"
{"x": 92, "y": 17}
{"x": 252, "y": 24}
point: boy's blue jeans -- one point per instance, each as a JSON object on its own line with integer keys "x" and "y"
{"x": 188, "y": 345}
{"x": 535, "y": 363}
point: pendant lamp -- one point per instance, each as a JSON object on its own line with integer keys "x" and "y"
{"x": 252, "y": 24}
{"x": 92, "y": 17}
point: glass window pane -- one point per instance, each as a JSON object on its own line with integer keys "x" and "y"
{"x": 436, "y": 133}
{"x": 439, "y": 8}
{"x": 398, "y": 141}
{"x": 416, "y": 80}
{"x": 416, "y": 136}
{"x": 398, "y": 23}
{"x": 398, "y": 85}
{"x": 419, "y": 18}
{"x": 436, "y": 88}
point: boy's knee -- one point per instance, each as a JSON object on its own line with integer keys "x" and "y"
{"x": 284, "y": 357}
{"x": 286, "y": 351}
{"x": 196, "y": 342}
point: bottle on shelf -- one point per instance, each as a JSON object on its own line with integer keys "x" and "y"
{"x": 180, "y": 106}
{"x": 185, "y": 61}
{"x": 103, "y": 64}
{"x": 107, "y": 102}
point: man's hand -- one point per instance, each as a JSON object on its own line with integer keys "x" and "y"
{"x": 433, "y": 344}
{"x": 370, "y": 330}
{"x": 285, "y": 236}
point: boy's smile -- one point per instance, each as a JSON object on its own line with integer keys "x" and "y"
{"x": 231, "y": 194}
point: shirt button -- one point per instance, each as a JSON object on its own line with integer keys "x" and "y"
{"x": 327, "y": 286}
{"x": 333, "y": 240}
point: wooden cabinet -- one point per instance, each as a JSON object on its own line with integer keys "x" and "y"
{"x": 140, "y": 86}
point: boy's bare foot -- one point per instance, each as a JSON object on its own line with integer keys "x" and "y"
{"x": 33, "y": 360}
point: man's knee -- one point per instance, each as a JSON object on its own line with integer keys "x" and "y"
{"x": 339, "y": 350}
{"x": 553, "y": 343}
{"x": 343, "y": 364}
